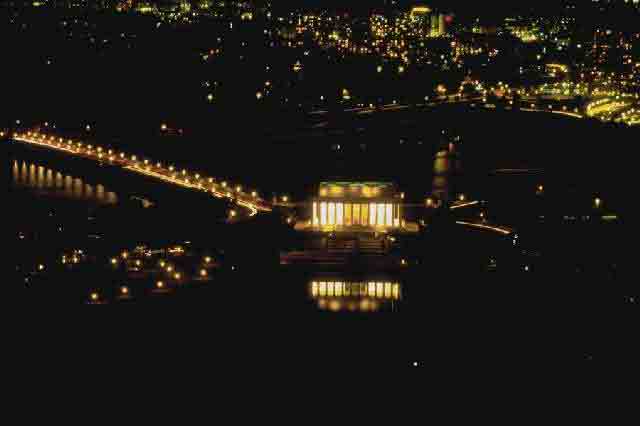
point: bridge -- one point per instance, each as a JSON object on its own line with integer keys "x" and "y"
{"x": 251, "y": 202}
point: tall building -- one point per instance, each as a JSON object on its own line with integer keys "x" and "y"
{"x": 428, "y": 19}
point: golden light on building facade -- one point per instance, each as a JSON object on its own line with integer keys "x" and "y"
{"x": 352, "y": 206}
{"x": 366, "y": 296}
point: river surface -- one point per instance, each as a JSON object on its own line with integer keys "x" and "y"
{"x": 58, "y": 205}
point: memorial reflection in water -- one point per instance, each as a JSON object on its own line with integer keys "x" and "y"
{"x": 355, "y": 296}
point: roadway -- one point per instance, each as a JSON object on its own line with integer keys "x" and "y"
{"x": 452, "y": 99}
{"x": 251, "y": 203}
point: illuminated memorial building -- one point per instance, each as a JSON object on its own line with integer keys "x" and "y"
{"x": 357, "y": 207}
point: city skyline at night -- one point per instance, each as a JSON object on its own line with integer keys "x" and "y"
{"x": 379, "y": 166}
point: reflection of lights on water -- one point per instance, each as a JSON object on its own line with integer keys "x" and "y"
{"x": 354, "y": 296}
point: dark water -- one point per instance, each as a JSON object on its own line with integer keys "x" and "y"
{"x": 45, "y": 182}
{"x": 574, "y": 304}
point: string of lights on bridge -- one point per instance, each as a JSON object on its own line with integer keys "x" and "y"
{"x": 184, "y": 178}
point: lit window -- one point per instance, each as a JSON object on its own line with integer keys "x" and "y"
{"x": 364, "y": 208}
{"x": 315, "y": 214}
{"x": 372, "y": 214}
{"x": 356, "y": 214}
{"x": 339, "y": 213}
{"x": 323, "y": 214}
{"x": 332, "y": 214}
{"x": 347, "y": 214}
{"x": 389, "y": 221}
{"x": 381, "y": 211}
{"x": 371, "y": 289}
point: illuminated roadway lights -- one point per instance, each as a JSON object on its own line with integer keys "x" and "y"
{"x": 597, "y": 203}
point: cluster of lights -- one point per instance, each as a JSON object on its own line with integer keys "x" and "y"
{"x": 252, "y": 202}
